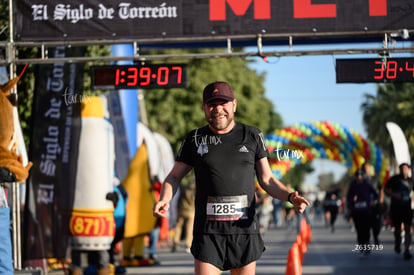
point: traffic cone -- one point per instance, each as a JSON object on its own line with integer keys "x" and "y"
{"x": 309, "y": 233}
{"x": 303, "y": 225}
{"x": 294, "y": 263}
{"x": 304, "y": 234}
{"x": 302, "y": 246}
{"x": 305, "y": 231}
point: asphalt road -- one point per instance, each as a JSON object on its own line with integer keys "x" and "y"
{"x": 327, "y": 253}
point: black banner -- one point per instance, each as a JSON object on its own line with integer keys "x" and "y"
{"x": 54, "y": 152}
{"x": 139, "y": 19}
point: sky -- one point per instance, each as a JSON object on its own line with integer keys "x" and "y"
{"x": 304, "y": 89}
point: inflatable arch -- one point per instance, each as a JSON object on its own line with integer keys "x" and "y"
{"x": 303, "y": 142}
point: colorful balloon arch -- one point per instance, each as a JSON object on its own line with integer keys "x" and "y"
{"x": 303, "y": 142}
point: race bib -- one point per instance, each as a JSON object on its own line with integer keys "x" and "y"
{"x": 361, "y": 204}
{"x": 405, "y": 198}
{"x": 227, "y": 208}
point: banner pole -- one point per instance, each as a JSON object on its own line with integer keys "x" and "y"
{"x": 16, "y": 226}
{"x": 15, "y": 185}
{"x": 12, "y": 51}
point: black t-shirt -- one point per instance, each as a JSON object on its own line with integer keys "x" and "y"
{"x": 402, "y": 186}
{"x": 224, "y": 166}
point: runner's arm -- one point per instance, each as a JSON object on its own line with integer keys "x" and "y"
{"x": 275, "y": 188}
{"x": 169, "y": 188}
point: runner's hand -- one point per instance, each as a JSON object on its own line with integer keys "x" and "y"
{"x": 299, "y": 202}
{"x": 161, "y": 209}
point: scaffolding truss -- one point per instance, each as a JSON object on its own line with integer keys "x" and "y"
{"x": 384, "y": 44}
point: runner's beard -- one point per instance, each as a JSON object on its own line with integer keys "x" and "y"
{"x": 220, "y": 124}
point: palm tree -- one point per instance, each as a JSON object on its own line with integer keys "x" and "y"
{"x": 393, "y": 102}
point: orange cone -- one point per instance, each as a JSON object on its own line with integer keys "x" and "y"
{"x": 303, "y": 225}
{"x": 309, "y": 234}
{"x": 304, "y": 234}
{"x": 294, "y": 263}
{"x": 305, "y": 231}
{"x": 302, "y": 246}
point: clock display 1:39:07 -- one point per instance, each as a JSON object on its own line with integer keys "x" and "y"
{"x": 134, "y": 76}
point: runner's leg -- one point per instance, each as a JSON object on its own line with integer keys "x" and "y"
{"x": 249, "y": 269}
{"x": 203, "y": 268}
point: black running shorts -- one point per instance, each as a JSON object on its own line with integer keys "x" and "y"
{"x": 401, "y": 214}
{"x": 227, "y": 251}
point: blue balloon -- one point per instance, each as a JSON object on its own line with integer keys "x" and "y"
{"x": 378, "y": 159}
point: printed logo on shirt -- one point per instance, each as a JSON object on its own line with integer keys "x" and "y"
{"x": 243, "y": 149}
{"x": 202, "y": 142}
{"x": 202, "y": 149}
{"x": 206, "y": 139}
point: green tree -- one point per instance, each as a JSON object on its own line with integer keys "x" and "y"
{"x": 296, "y": 176}
{"x": 174, "y": 112}
{"x": 393, "y": 102}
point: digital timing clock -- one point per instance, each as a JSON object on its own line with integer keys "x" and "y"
{"x": 375, "y": 70}
{"x": 139, "y": 76}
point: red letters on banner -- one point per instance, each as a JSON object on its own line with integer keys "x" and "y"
{"x": 301, "y": 9}
{"x": 377, "y": 7}
{"x": 239, "y": 7}
{"x": 305, "y": 9}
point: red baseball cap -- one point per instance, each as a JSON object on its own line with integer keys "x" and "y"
{"x": 217, "y": 90}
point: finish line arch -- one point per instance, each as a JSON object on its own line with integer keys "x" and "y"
{"x": 306, "y": 141}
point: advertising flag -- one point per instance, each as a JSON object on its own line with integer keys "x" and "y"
{"x": 53, "y": 150}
